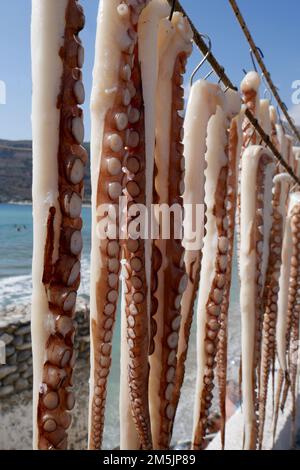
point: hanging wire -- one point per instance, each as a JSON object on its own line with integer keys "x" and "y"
{"x": 172, "y": 10}
{"x": 261, "y": 63}
{"x": 205, "y": 36}
{"x": 220, "y": 71}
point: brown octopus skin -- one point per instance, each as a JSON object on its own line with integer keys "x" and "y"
{"x": 293, "y": 317}
{"x": 257, "y": 240}
{"x": 61, "y": 281}
{"x": 294, "y": 283}
{"x": 270, "y": 314}
{"x": 286, "y": 382}
{"x": 222, "y": 336}
{"x": 135, "y": 278}
{"x": 174, "y": 274}
{"x": 261, "y": 295}
{"x": 213, "y": 323}
{"x": 114, "y": 160}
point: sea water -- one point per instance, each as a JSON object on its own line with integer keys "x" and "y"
{"x": 16, "y": 254}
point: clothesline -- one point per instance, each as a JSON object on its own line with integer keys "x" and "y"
{"x": 220, "y": 71}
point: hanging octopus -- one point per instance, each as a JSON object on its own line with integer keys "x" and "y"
{"x": 264, "y": 116}
{"x": 250, "y": 92}
{"x": 218, "y": 200}
{"x": 234, "y": 152}
{"x": 58, "y": 171}
{"x": 256, "y": 220}
{"x": 286, "y": 303}
{"x": 202, "y": 105}
{"x": 168, "y": 271}
{"x": 282, "y": 184}
{"x": 148, "y": 30}
{"x": 294, "y": 299}
{"x": 118, "y": 166}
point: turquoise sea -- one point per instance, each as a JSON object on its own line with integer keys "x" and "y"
{"x": 16, "y": 253}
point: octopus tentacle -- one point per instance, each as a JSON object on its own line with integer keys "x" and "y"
{"x": 257, "y": 172}
{"x": 284, "y": 143}
{"x": 295, "y": 307}
{"x": 148, "y": 28}
{"x": 286, "y": 299}
{"x": 273, "y": 118}
{"x": 250, "y": 91}
{"x": 58, "y": 171}
{"x": 113, "y": 117}
{"x": 129, "y": 438}
{"x": 201, "y": 106}
{"x": 175, "y": 46}
{"x": 136, "y": 282}
{"x": 218, "y": 197}
{"x": 264, "y": 116}
{"x": 281, "y": 189}
{"x": 234, "y": 152}
{"x": 148, "y": 33}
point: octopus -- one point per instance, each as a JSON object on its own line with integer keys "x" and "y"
{"x": 250, "y": 92}
{"x": 282, "y": 185}
{"x": 250, "y": 86}
{"x": 294, "y": 305}
{"x": 234, "y": 152}
{"x": 118, "y": 169}
{"x": 288, "y": 315}
{"x": 169, "y": 279}
{"x": 265, "y": 117}
{"x": 148, "y": 31}
{"x": 256, "y": 220}
{"x": 202, "y": 105}
{"x": 58, "y": 171}
{"x": 219, "y": 199}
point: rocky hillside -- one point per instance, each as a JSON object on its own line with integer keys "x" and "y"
{"x": 16, "y": 172}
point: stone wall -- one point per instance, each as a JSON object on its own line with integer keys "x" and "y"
{"x": 15, "y": 342}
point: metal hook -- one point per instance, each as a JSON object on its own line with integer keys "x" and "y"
{"x": 252, "y": 57}
{"x": 208, "y": 74}
{"x": 172, "y": 10}
{"x": 205, "y": 36}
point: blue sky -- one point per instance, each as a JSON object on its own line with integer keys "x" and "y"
{"x": 274, "y": 25}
